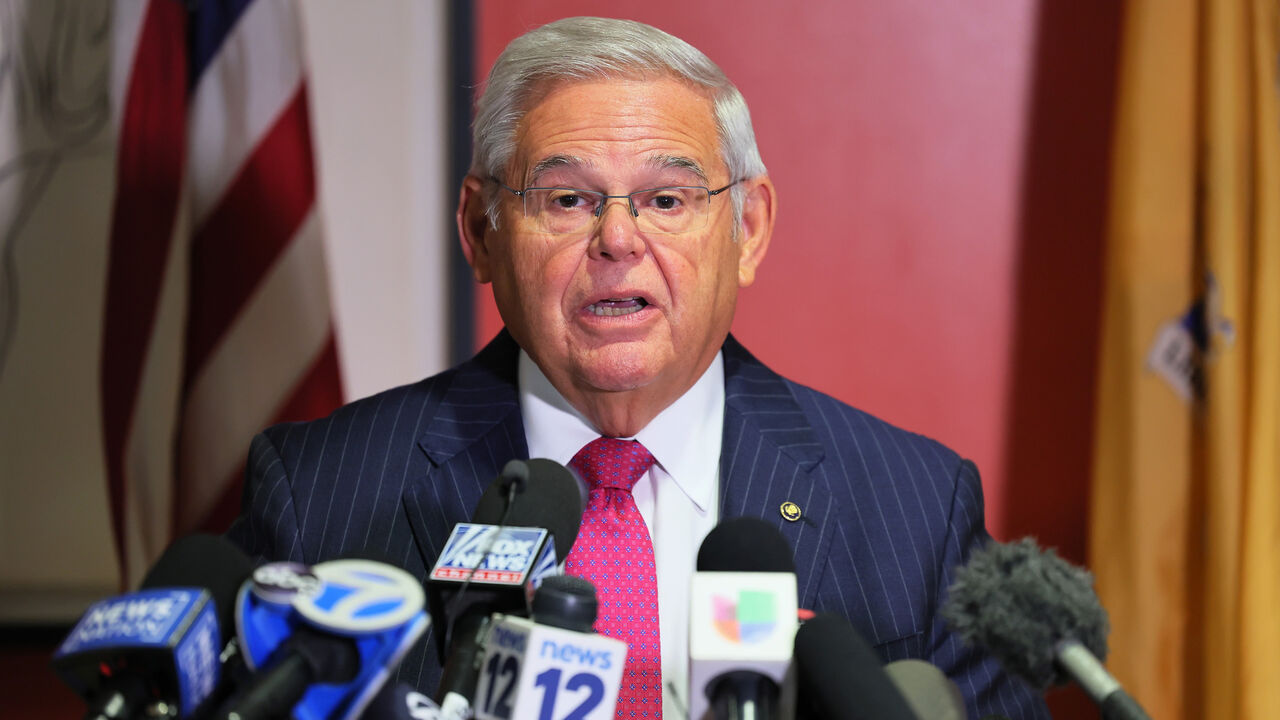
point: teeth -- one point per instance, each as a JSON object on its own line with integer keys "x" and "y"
{"x": 610, "y": 311}
{"x": 613, "y": 307}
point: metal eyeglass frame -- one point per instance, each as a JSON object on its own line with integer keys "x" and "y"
{"x": 604, "y": 197}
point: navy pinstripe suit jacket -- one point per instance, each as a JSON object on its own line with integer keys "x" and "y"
{"x": 887, "y": 514}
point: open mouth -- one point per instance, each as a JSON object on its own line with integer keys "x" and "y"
{"x": 612, "y": 307}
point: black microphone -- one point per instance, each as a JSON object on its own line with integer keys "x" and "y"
{"x": 1039, "y": 615}
{"x": 308, "y": 657}
{"x": 523, "y": 526}
{"x": 159, "y": 648}
{"x": 567, "y": 602}
{"x": 742, "y": 621}
{"x": 840, "y": 677}
{"x": 400, "y": 701}
{"x": 549, "y": 498}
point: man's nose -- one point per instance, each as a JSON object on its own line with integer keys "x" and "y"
{"x": 615, "y": 236}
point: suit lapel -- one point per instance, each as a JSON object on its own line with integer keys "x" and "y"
{"x": 771, "y": 457}
{"x": 473, "y": 431}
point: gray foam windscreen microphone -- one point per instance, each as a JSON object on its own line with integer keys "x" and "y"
{"x": 1020, "y": 602}
{"x": 1039, "y": 615}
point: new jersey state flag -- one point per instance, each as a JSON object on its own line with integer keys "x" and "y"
{"x": 1186, "y": 492}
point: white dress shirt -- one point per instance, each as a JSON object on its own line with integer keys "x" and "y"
{"x": 677, "y": 498}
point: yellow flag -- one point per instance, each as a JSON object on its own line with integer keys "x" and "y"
{"x": 1185, "y": 538}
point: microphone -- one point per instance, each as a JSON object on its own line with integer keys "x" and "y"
{"x": 742, "y": 621}
{"x": 158, "y": 648}
{"x": 929, "y": 692}
{"x": 840, "y": 676}
{"x": 553, "y": 665}
{"x": 323, "y": 639}
{"x": 1040, "y": 616}
{"x": 401, "y": 702}
{"x": 495, "y": 563}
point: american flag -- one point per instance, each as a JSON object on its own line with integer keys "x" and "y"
{"x": 215, "y": 246}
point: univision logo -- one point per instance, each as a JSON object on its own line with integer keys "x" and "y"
{"x": 748, "y": 619}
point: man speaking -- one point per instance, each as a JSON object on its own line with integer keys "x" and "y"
{"x": 617, "y": 202}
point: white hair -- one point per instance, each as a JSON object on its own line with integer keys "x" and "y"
{"x": 590, "y": 48}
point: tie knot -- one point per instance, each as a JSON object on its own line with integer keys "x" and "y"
{"x": 612, "y": 463}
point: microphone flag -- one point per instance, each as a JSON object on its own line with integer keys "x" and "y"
{"x": 739, "y": 621}
{"x": 532, "y": 671}
{"x": 172, "y": 630}
{"x": 377, "y": 606}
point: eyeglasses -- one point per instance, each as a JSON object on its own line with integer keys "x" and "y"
{"x": 667, "y": 210}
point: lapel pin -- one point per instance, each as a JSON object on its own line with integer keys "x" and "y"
{"x": 790, "y": 511}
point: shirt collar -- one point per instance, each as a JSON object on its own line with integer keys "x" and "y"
{"x": 684, "y": 438}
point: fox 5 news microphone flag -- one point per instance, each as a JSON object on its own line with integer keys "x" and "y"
{"x": 164, "y": 277}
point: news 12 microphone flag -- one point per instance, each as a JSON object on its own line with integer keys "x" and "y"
{"x": 1186, "y": 487}
{"x": 163, "y": 270}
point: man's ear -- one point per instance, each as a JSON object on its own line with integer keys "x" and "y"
{"x": 758, "y": 211}
{"x": 474, "y": 230}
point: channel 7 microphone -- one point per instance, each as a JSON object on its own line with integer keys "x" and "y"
{"x": 1039, "y": 615}
{"x": 322, "y": 640}
{"x": 524, "y": 524}
{"x": 158, "y": 650}
{"x": 742, "y": 622}
{"x": 554, "y": 665}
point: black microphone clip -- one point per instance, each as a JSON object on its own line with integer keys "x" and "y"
{"x": 514, "y": 479}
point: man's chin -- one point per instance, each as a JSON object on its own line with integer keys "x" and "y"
{"x": 618, "y": 369}
{"x": 613, "y": 380}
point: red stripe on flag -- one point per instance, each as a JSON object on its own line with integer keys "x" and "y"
{"x": 316, "y": 395}
{"x": 149, "y": 164}
{"x": 320, "y": 390}
{"x": 248, "y": 230}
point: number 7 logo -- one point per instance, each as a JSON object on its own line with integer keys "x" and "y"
{"x": 361, "y": 596}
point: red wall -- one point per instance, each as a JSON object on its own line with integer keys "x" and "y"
{"x": 941, "y": 169}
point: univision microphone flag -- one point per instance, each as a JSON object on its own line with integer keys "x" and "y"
{"x": 739, "y": 621}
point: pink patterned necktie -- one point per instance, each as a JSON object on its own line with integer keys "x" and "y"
{"x": 614, "y": 552}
